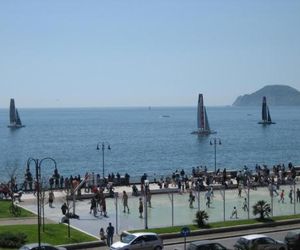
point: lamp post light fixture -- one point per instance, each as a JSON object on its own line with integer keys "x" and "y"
{"x": 38, "y": 187}
{"x": 103, "y": 146}
{"x": 215, "y": 141}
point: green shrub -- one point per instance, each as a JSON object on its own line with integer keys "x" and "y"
{"x": 262, "y": 208}
{"x": 12, "y": 240}
{"x": 201, "y": 217}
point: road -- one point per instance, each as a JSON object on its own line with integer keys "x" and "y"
{"x": 229, "y": 242}
{"x": 226, "y": 239}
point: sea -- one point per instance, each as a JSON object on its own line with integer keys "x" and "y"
{"x": 152, "y": 140}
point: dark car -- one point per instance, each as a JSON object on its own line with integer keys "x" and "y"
{"x": 292, "y": 239}
{"x": 44, "y": 246}
{"x": 205, "y": 245}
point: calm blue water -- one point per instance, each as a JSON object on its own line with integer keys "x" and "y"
{"x": 142, "y": 141}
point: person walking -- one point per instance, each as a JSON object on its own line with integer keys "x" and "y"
{"x": 298, "y": 195}
{"x": 51, "y": 198}
{"x": 234, "y": 213}
{"x": 148, "y": 197}
{"x": 208, "y": 198}
{"x": 245, "y": 205}
{"x": 240, "y": 190}
{"x": 110, "y": 230}
{"x": 125, "y": 201}
{"x": 281, "y": 199}
{"x": 93, "y": 207}
{"x": 64, "y": 208}
{"x": 191, "y": 199}
{"x": 291, "y": 195}
{"x": 103, "y": 207}
{"x": 141, "y": 207}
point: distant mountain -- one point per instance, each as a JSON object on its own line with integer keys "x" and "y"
{"x": 277, "y": 95}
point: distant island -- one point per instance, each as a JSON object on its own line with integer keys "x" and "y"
{"x": 277, "y": 95}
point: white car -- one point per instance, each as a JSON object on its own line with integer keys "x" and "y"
{"x": 140, "y": 241}
{"x": 259, "y": 242}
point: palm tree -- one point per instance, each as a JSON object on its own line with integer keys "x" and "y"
{"x": 262, "y": 208}
{"x": 201, "y": 217}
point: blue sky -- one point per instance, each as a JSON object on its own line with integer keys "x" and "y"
{"x": 71, "y": 53}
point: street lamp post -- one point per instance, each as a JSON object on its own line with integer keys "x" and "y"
{"x": 103, "y": 145}
{"x": 146, "y": 193}
{"x": 38, "y": 164}
{"x": 215, "y": 141}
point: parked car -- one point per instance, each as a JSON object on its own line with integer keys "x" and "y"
{"x": 259, "y": 242}
{"x": 140, "y": 241}
{"x": 205, "y": 245}
{"x": 44, "y": 246}
{"x": 292, "y": 239}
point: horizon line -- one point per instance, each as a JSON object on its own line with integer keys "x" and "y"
{"x": 96, "y": 107}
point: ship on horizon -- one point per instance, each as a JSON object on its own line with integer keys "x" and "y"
{"x": 14, "y": 118}
{"x": 202, "y": 120}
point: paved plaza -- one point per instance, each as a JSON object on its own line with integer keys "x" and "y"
{"x": 161, "y": 213}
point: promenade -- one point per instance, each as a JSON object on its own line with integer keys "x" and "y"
{"x": 161, "y": 213}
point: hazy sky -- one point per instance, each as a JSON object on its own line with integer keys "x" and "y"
{"x": 85, "y": 53}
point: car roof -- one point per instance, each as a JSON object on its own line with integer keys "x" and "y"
{"x": 143, "y": 233}
{"x": 253, "y": 236}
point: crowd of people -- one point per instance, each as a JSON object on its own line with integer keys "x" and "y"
{"x": 58, "y": 181}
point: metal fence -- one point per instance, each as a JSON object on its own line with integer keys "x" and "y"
{"x": 173, "y": 209}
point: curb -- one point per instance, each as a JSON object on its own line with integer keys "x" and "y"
{"x": 231, "y": 229}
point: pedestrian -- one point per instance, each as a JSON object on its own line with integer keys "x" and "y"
{"x": 51, "y": 198}
{"x": 208, "y": 197}
{"x": 125, "y": 201}
{"x": 234, "y": 213}
{"x": 36, "y": 187}
{"x": 93, "y": 207}
{"x": 298, "y": 195}
{"x": 275, "y": 189}
{"x": 191, "y": 199}
{"x": 103, "y": 206}
{"x": 102, "y": 234}
{"x": 240, "y": 190}
{"x": 64, "y": 208}
{"x": 148, "y": 197}
{"x": 211, "y": 189}
{"x": 281, "y": 199}
{"x": 245, "y": 205}
{"x": 110, "y": 230}
{"x": 291, "y": 195}
{"x": 141, "y": 207}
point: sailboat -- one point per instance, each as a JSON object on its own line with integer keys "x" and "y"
{"x": 265, "y": 113}
{"x": 202, "y": 120}
{"x": 14, "y": 118}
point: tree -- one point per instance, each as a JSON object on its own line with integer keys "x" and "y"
{"x": 201, "y": 217}
{"x": 262, "y": 208}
